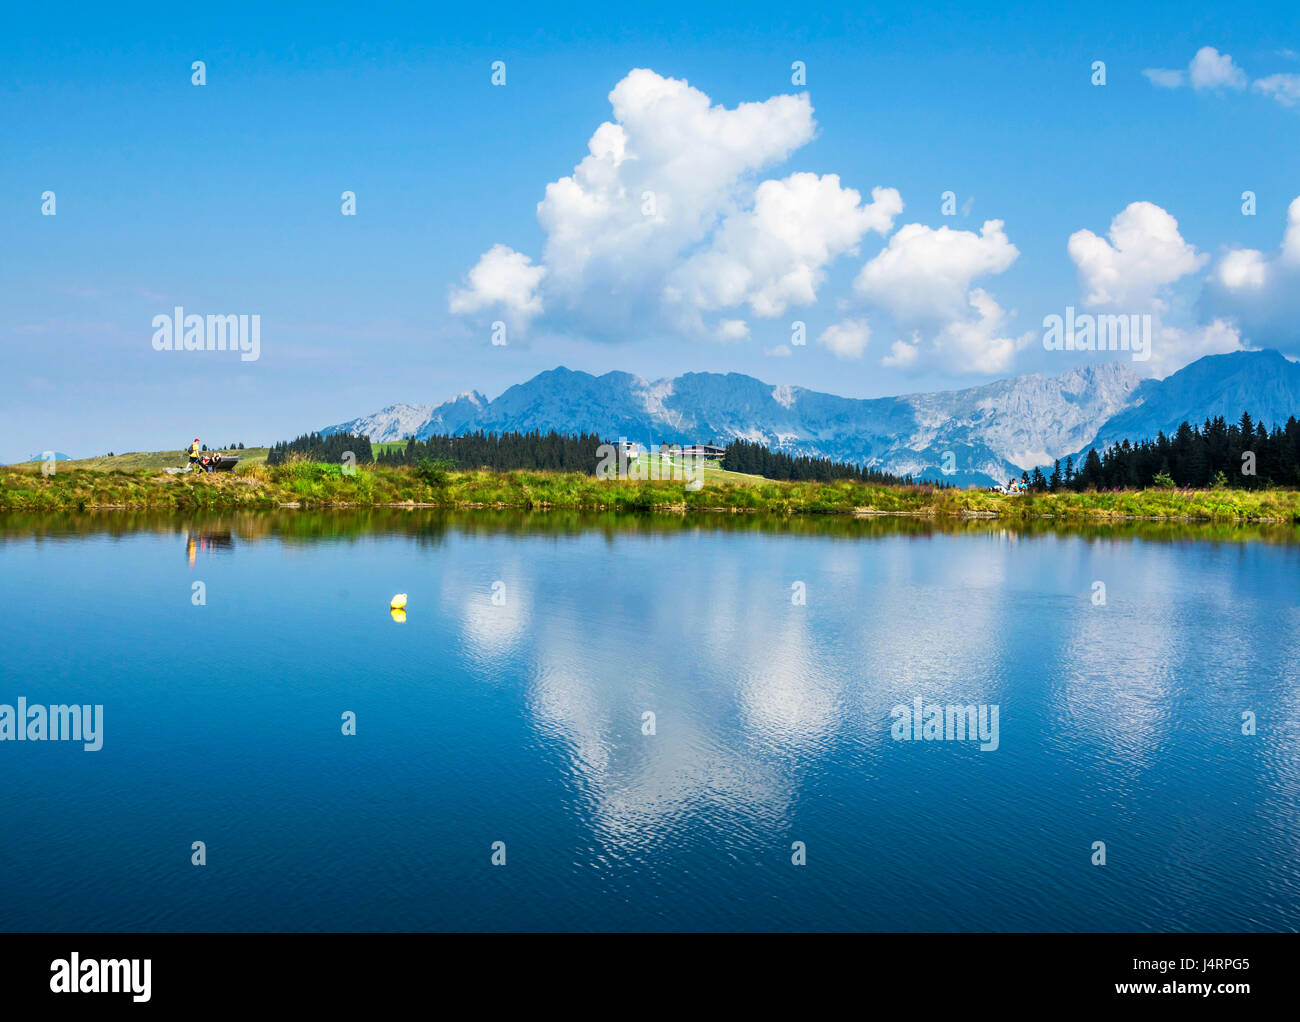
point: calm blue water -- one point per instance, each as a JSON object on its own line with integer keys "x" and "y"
{"x": 522, "y": 723}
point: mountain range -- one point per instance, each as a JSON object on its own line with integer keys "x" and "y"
{"x": 994, "y": 431}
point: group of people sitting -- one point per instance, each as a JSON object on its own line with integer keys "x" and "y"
{"x": 203, "y": 462}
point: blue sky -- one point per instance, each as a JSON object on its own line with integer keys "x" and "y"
{"x": 225, "y": 199}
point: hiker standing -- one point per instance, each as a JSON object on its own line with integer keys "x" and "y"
{"x": 194, "y": 453}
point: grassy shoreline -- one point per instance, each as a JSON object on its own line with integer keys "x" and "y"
{"x": 307, "y": 485}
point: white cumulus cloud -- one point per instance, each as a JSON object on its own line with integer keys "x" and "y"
{"x": 923, "y": 281}
{"x": 902, "y": 354}
{"x": 1142, "y": 253}
{"x": 847, "y": 339}
{"x": 1131, "y": 271}
{"x": 1260, "y": 291}
{"x": 1285, "y": 88}
{"x": 1243, "y": 270}
{"x": 924, "y": 274}
{"x": 732, "y": 330}
{"x": 664, "y": 223}
{"x": 974, "y": 344}
{"x": 775, "y": 254}
{"x": 667, "y": 225}
{"x": 502, "y": 279}
{"x": 1211, "y": 69}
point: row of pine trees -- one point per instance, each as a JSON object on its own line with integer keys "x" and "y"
{"x": 315, "y": 447}
{"x": 759, "y": 460}
{"x": 1242, "y": 455}
{"x": 501, "y": 452}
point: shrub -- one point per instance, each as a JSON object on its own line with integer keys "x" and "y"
{"x": 433, "y": 471}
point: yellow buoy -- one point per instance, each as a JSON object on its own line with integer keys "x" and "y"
{"x": 398, "y": 602}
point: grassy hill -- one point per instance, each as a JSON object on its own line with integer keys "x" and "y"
{"x": 135, "y": 461}
{"x": 660, "y": 466}
{"x": 663, "y": 466}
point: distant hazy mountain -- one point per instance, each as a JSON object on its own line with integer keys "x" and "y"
{"x": 397, "y": 422}
{"x": 993, "y": 431}
{"x": 1260, "y": 382}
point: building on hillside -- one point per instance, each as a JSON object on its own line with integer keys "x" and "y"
{"x": 710, "y": 451}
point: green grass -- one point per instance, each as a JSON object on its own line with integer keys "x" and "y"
{"x": 315, "y": 485}
{"x": 665, "y": 466}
